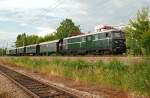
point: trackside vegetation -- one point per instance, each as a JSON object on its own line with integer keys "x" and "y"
{"x": 131, "y": 77}
{"x": 138, "y": 33}
{"x": 2, "y": 52}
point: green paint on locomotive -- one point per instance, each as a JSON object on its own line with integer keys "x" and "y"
{"x": 97, "y": 41}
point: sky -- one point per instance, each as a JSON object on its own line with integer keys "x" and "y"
{"x": 42, "y": 17}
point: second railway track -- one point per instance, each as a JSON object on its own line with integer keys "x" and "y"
{"x": 35, "y": 88}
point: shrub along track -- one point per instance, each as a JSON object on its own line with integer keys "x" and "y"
{"x": 35, "y": 88}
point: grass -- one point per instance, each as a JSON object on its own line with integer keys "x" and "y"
{"x": 132, "y": 77}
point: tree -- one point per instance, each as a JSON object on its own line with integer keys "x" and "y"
{"x": 138, "y": 33}
{"x": 66, "y": 27}
{"x": 21, "y": 40}
{"x": 50, "y": 37}
{"x": 32, "y": 39}
{"x": 2, "y": 52}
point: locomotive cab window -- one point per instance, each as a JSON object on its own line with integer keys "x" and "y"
{"x": 108, "y": 34}
{"x": 117, "y": 34}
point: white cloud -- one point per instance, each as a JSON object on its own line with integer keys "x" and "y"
{"x": 44, "y": 31}
{"x": 7, "y": 39}
{"x": 8, "y": 35}
{"x": 4, "y": 19}
{"x": 24, "y": 24}
{"x": 26, "y": 4}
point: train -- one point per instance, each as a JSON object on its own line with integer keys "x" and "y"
{"x": 102, "y": 42}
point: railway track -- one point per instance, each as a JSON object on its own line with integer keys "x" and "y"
{"x": 35, "y": 88}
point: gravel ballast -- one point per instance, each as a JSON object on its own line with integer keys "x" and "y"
{"x": 9, "y": 90}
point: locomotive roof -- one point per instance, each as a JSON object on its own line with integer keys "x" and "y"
{"x": 48, "y": 42}
{"x": 91, "y": 34}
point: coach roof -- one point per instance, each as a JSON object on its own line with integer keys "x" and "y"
{"x": 32, "y": 45}
{"x": 54, "y": 41}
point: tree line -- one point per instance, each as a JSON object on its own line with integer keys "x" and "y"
{"x": 66, "y": 28}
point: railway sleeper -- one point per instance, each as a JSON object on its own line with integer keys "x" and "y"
{"x": 47, "y": 95}
{"x": 40, "y": 89}
{"x": 35, "y": 85}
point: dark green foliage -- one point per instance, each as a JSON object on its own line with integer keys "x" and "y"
{"x": 146, "y": 42}
{"x": 116, "y": 65}
{"x": 2, "y": 52}
{"x": 141, "y": 77}
{"x": 66, "y": 27}
{"x": 117, "y": 71}
{"x": 23, "y": 40}
{"x": 50, "y": 37}
{"x": 138, "y": 33}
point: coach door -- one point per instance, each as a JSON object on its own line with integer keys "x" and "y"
{"x": 60, "y": 45}
{"x": 89, "y": 42}
{"x": 37, "y": 49}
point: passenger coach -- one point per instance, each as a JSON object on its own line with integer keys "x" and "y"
{"x": 46, "y": 48}
{"x": 11, "y": 52}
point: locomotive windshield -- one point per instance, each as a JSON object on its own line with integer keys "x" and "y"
{"x": 117, "y": 34}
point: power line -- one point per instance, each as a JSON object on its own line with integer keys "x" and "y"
{"x": 45, "y": 11}
{"x": 57, "y": 4}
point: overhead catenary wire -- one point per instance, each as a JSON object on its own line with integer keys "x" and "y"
{"x": 45, "y": 11}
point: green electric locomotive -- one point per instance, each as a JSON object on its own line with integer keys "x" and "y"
{"x": 110, "y": 41}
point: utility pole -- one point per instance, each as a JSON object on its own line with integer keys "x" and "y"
{"x": 6, "y": 49}
{"x": 3, "y": 48}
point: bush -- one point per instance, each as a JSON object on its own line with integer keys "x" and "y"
{"x": 141, "y": 77}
